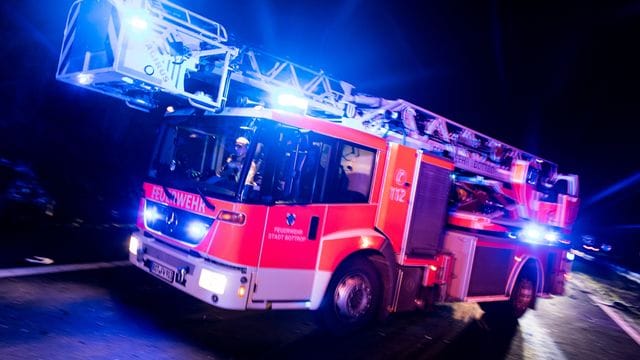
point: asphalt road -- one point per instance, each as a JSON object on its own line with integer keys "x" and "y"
{"x": 121, "y": 313}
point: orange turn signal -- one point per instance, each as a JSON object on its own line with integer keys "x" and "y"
{"x": 232, "y": 217}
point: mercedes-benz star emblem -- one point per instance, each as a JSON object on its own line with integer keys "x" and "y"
{"x": 172, "y": 221}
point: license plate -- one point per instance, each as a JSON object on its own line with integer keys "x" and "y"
{"x": 162, "y": 272}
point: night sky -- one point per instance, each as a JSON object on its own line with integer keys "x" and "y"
{"x": 560, "y": 79}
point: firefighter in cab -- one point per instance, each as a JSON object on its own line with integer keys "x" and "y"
{"x": 233, "y": 165}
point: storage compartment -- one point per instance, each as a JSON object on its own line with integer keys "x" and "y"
{"x": 491, "y": 267}
{"x": 429, "y": 211}
{"x": 409, "y": 283}
{"x": 478, "y": 270}
{"x": 462, "y": 248}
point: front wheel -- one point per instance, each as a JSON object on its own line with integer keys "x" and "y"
{"x": 352, "y": 298}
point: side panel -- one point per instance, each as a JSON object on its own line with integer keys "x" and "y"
{"x": 429, "y": 210}
{"x": 561, "y": 213}
{"x": 522, "y": 191}
{"x": 557, "y": 273}
{"x": 396, "y": 191}
{"x": 486, "y": 268}
{"x": 491, "y": 268}
{"x": 348, "y": 228}
{"x": 481, "y": 268}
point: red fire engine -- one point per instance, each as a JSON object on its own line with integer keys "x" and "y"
{"x": 273, "y": 186}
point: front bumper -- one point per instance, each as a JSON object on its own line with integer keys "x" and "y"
{"x": 223, "y": 285}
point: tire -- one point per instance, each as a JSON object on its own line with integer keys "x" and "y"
{"x": 522, "y": 296}
{"x": 352, "y": 299}
{"x": 507, "y": 313}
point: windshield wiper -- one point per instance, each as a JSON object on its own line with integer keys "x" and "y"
{"x": 204, "y": 198}
{"x": 206, "y": 201}
{"x": 170, "y": 196}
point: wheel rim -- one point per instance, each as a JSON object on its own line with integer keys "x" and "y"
{"x": 524, "y": 295}
{"x": 353, "y": 297}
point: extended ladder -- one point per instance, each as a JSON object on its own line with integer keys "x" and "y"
{"x": 142, "y": 50}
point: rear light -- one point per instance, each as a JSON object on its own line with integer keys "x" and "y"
{"x": 232, "y": 217}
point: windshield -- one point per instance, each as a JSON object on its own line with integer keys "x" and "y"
{"x": 260, "y": 161}
{"x": 205, "y": 155}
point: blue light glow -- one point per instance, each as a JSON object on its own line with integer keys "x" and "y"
{"x": 538, "y": 234}
{"x": 151, "y": 214}
{"x": 138, "y": 22}
{"x": 551, "y": 236}
{"x": 197, "y": 230}
{"x": 629, "y": 181}
{"x": 533, "y": 232}
{"x": 288, "y": 100}
{"x": 84, "y": 78}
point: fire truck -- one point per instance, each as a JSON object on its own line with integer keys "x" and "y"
{"x": 275, "y": 186}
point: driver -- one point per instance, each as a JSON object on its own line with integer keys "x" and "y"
{"x": 233, "y": 165}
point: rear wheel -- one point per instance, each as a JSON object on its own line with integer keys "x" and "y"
{"x": 352, "y": 298}
{"x": 522, "y": 296}
{"x": 508, "y": 312}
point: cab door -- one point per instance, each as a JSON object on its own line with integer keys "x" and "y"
{"x": 292, "y": 232}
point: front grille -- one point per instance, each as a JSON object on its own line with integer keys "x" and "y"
{"x": 176, "y": 223}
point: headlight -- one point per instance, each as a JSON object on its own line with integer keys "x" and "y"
{"x": 134, "y": 244}
{"x": 212, "y": 281}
